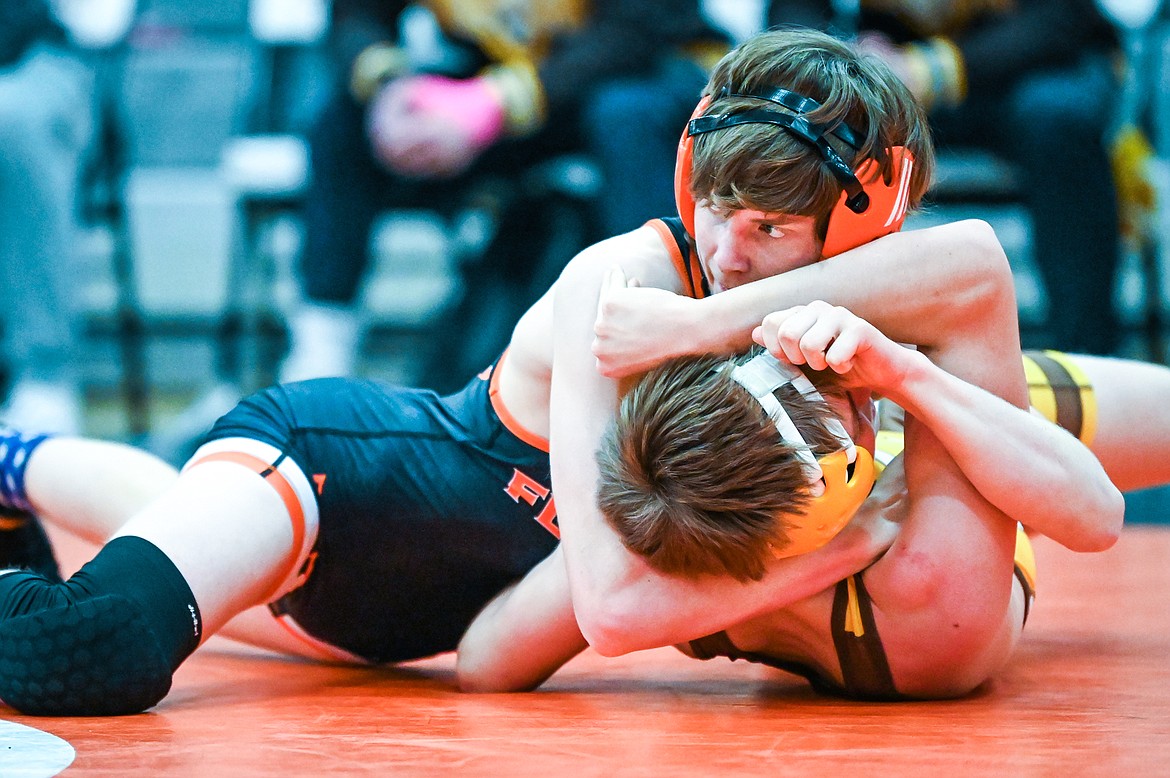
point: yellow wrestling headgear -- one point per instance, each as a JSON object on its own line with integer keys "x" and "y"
{"x": 838, "y": 482}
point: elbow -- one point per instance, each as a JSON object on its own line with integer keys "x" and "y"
{"x": 472, "y": 682}
{"x": 609, "y": 624}
{"x": 987, "y": 283}
{"x": 472, "y": 674}
{"x": 605, "y": 631}
{"x": 478, "y": 677}
{"x": 610, "y": 605}
{"x": 1090, "y": 525}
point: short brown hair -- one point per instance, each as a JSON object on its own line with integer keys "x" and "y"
{"x": 694, "y": 474}
{"x": 762, "y": 167}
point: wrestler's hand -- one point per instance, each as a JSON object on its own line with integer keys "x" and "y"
{"x": 828, "y": 337}
{"x": 638, "y": 327}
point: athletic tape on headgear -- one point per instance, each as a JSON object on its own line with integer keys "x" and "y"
{"x": 838, "y": 482}
{"x": 869, "y": 208}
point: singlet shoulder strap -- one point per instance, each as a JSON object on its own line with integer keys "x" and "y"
{"x": 719, "y": 644}
{"x": 686, "y": 261}
{"x": 864, "y": 667}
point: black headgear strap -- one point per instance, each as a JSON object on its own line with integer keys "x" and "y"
{"x": 799, "y": 126}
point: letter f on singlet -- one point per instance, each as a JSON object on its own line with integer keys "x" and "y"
{"x": 525, "y": 487}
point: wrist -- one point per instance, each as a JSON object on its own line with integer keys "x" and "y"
{"x": 912, "y": 382}
{"x": 722, "y": 322}
{"x": 701, "y": 322}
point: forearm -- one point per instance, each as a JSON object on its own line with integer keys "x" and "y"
{"x": 522, "y": 636}
{"x": 621, "y": 603}
{"x": 651, "y": 610}
{"x": 1030, "y": 469}
{"x": 911, "y": 285}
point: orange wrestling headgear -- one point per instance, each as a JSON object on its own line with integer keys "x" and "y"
{"x": 869, "y": 208}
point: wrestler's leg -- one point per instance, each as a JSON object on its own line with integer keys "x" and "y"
{"x": 92, "y": 487}
{"x": 259, "y": 628}
{"x": 85, "y": 486}
{"x": 226, "y": 530}
{"x": 1133, "y": 419}
{"x": 221, "y": 538}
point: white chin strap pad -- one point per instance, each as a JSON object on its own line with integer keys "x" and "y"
{"x": 761, "y": 376}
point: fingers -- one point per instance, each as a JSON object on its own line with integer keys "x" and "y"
{"x": 615, "y": 278}
{"x": 758, "y": 337}
{"x": 839, "y": 356}
{"x": 818, "y": 334}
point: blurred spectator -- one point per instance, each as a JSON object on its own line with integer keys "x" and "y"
{"x": 423, "y": 114}
{"x": 1035, "y": 82}
{"x": 46, "y": 127}
{"x": 632, "y": 121}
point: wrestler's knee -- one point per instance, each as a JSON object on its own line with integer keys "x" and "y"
{"x": 71, "y": 654}
{"x": 105, "y": 642}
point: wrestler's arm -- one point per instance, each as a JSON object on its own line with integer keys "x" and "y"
{"x": 943, "y": 593}
{"x": 1032, "y": 470}
{"x": 621, "y": 603}
{"x": 523, "y": 635}
{"x": 912, "y": 285}
{"x": 1015, "y": 459}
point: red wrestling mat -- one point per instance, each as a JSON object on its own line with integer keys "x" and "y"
{"x": 1088, "y": 693}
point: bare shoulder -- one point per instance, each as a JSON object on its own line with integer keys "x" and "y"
{"x": 946, "y": 627}
{"x": 641, "y": 254}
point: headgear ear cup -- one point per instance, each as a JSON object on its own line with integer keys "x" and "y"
{"x": 683, "y": 199}
{"x": 887, "y": 205}
{"x": 827, "y": 514}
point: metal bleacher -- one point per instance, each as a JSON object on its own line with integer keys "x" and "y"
{"x": 174, "y": 90}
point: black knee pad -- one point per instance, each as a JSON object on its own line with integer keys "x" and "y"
{"x": 96, "y": 657}
{"x": 103, "y": 643}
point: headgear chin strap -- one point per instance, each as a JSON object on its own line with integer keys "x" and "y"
{"x": 869, "y": 206}
{"x": 836, "y": 492}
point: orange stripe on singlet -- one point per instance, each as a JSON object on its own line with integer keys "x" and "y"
{"x": 506, "y": 417}
{"x": 288, "y": 495}
{"x": 690, "y": 272}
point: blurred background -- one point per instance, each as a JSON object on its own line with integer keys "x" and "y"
{"x": 200, "y": 198}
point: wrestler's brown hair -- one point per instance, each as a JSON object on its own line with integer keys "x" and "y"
{"x": 764, "y": 168}
{"x": 694, "y": 475}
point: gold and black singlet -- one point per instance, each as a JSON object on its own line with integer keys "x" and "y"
{"x": 1060, "y": 390}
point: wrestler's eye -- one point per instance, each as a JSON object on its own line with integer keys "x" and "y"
{"x": 772, "y": 230}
